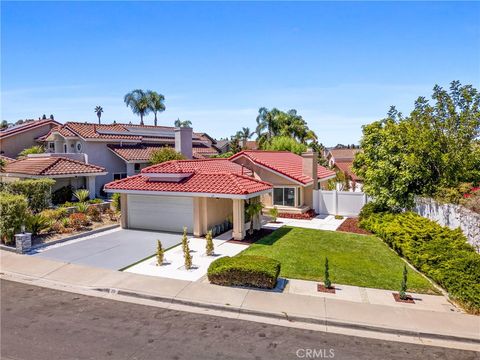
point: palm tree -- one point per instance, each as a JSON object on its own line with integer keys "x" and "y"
{"x": 254, "y": 209}
{"x": 137, "y": 100}
{"x": 98, "y": 110}
{"x": 184, "y": 123}
{"x": 156, "y": 104}
{"x": 245, "y": 134}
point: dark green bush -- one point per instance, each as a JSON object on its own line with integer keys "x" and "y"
{"x": 244, "y": 270}
{"x": 37, "y": 192}
{"x": 439, "y": 252}
{"x": 62, "y": 195}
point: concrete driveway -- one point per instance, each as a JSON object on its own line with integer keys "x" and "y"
{"x": 114, "y": 249}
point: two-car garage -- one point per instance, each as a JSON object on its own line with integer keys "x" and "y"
{"x": 158, "y": 212}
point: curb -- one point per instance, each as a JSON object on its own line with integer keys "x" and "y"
{"x": 291, "y": 318}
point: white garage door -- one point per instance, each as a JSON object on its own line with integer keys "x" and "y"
{"x": 153, "y": 212}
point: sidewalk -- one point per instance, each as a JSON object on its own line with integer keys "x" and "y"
{"x": 327, "y": 312}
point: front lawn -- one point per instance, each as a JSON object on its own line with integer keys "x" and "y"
{"x": 354, "y": 259}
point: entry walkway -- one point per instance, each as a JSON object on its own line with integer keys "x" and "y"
{"x": 320, "y": 222}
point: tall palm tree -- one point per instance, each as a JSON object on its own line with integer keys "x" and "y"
{"x": 156, "y": 104}
{"x": 184, "y": 123}
{"x": 137, "y": 100}
{"x": 245, "y": 134}
{"x": 98, "y": 111}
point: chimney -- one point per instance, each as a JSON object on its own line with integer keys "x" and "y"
{"x": 183, "y": 141}
{"x": 310, "y": 165}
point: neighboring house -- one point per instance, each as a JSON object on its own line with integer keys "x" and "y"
{"x": 124, "y": 149}
{"x": 16, "y": 138}
{"x": 341, "y": 159}
{"x": 200, "y": 194}
{"x": 293, "y": 177}
{"x": 249, "y": 145}
{"x": 65, "y": 171}
{"x": 222, "y": 146}
{"x": 197, "y": 194}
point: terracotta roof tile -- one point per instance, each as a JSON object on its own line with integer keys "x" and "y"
{"x": 285, "y": 163}
{"x": 50, "y": 165}
{"x": 211, "y": 183}
{"x": 346, "y": 154}
{"x": 199, "y": 166}
{"x": 346, "y": 166}
{"x": 143, "y": 151}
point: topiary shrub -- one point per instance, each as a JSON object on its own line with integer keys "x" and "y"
{"x": 244, "y": 270}
{"x": 37, "y": 192}
{"x": 160, "y": 253}
{"x": 327, "y": 282}
{"x": 13, "y": 213}
{"x": 209, "y": 248}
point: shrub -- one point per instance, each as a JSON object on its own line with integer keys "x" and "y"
{"x": 78, "y": 220}
{"x": 94, "y": 214}
{"x": 13, "y": 212}
{"x": 184, "y": 239}
{"x": 244, "y": 270}
{"x": 369, "y": 209}
{"x": 439, "y": 252}
{"x": 160, "y": 253}
{"x": 37, "y": 192}
{"x": 81, "y": 195}
{"x": 36, "y": 149}
{"x": 273, "y": 212}
{"x": 95, "y": 201}
{"x": 209, "y": 250}
{"x": 187, "y": 256}
{"x": 82, "y": 207}
{"x": 62, "y": 195}
{"x": 54, "y": 214}
{"x": 338, "y": 217}
{"x": 68, "y": 204}
{"x": 111, "y": 214}
{"x": 327, "y": 282}
{"x": 35, "y": 223}
{"x": 116, "y": 202}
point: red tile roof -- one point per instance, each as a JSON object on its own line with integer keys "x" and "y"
{"x": 143, "y": 151}
{"x": 283, "y": 162}
{"x": 345, "y": 154}
{"x": 211, "y": 183}
{"x": 346, "y": 167}
{"x": 50, "y": 166}
{"x": 199, "y": 166}
{"x": 12, "y": 130}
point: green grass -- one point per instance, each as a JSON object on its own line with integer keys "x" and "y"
{"x": 353, "y": 259}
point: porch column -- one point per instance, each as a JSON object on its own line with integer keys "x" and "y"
{"x": 124, "y": 211}
{"x": 199, "y": 216}
{"x": 91, "y": 186}
{"x": 257, "y": 220}
{"x": 238, "y": 219}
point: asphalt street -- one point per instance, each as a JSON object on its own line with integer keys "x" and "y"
{"x": 46, "y": 324}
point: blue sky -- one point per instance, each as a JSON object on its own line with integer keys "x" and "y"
{"x": 339, "y": 64}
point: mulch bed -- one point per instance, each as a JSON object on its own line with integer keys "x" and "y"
{"x": 250, "y": 239}
{"x": 322, "y": 288}
{"x": 408, "y": 300}
{"x": 309, "y": 215}
{"x": 351, "y": 225}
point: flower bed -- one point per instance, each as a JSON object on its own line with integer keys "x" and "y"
{"x": 309, "y": 215}
{"x": 351, "y": 225}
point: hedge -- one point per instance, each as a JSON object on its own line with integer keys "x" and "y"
{"x": 37, "y": 192}
{"x": 244, "y": 270}
{"x": 13, "y": 213}
{"x": 439, "y": 252}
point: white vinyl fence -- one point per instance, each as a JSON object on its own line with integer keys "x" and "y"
{"x": 345, "y": 203}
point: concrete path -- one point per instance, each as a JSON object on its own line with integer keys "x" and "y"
{"x": 112, "y": 249}
{"x": 325, "y": 312}
{"x": 320, "y": 222}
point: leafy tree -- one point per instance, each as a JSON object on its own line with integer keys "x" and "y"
{"x": 273, "y": 212}
{"x": 165, "y": 154}
{"x": 160, "y": 253}
{"x": 434, "y": 147}
{"x": 98, "y": 110}
{"x": 155, "y": 103}
{"x": 138, "y": 101}
{"x": 184, "y": 123}
{"x": 235, "y": 144}
{"x": 209, "y": 249}
{"x": 327, "y": 282}
{"x": 36, "y": 149}
{"x": 224, "y": 155}
{"x": 285, "y": 143}
{"x": 254, "y": 209}
{"x": 4, "y": 124}
{"x": 403, "y": 287}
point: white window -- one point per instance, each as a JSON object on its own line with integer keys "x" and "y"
{"x": 118, "y": 176}
{"x": 286, "y": 196}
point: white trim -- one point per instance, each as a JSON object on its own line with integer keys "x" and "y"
{"x": 189, "y": 194}
{"x": 274, "y": 171}
{"x": 327, "y": 178}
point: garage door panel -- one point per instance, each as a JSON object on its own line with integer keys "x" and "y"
{"x": 163, "y": 213}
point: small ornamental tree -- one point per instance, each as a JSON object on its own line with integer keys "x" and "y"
{"x": 187, "y": 257}
{"x": 209, "y": 246}
{"x": 403, "y": 287}
{"x": 327, "y": 282}
{"x": 160, "y": 253}
{"x": 274, "y": 214}
{"x": 184, "y": 239}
